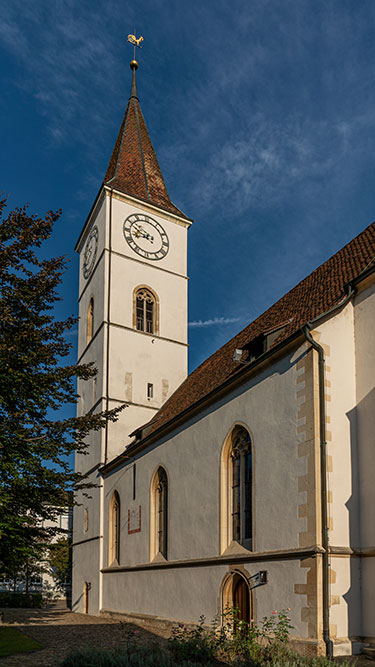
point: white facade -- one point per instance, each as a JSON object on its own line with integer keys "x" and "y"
{"x": 128, "y": 360}
{"x": 165, "y": 547}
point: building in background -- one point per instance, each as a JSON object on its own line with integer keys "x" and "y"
{"x": 248, "y": 483}
{"x": 43, "y": 579}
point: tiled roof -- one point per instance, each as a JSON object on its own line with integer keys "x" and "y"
{"x": 133, "y": 167}
{"x": 313, "y": 296}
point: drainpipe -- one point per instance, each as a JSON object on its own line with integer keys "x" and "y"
{"x": 323, "y": 468}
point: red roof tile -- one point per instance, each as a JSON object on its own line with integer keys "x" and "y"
{"x": 313, "y": 296}
{"x": 133, "y": 167}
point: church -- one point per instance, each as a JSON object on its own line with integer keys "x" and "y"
{"x": 249, "y": 482}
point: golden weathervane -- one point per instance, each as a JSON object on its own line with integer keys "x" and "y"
{"x": 132, "y": 39}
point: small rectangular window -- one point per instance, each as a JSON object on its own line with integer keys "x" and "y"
{"x": 150, "y": 390}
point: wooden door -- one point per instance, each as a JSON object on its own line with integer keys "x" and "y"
{"x": 241, "y": 599}
{"x": 85, "y": 598}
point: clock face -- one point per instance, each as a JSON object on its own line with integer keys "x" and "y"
{"x": 90, "y": 252}
{"x": 146, "y": 236}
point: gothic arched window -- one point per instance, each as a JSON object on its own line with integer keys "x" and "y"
{"x": 90, "y": 321}
{"x": 241, "y": 482}
{"x": 159, "y": 514}
{"x": 114, "y": 529}
{"x": 236, "y": 490}
{"x": 145, "y": 311}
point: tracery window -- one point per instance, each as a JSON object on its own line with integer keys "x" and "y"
{"x": 90, "y": 321}
{"x": 162, "y": 512}
{"x": 159, "y": 514}
{"x": 241, "y": 485}
{"x": 236, "y": 493}
{"x": 145, "y": 311}
{"x": 114, "y": 529}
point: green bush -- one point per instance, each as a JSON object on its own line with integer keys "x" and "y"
{"x": 33, "y": 600}
{"x": 146, "y": 655}
{"x": 195, "y": 643}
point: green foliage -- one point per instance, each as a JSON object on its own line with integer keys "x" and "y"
{"x": 13, "y": 641}
{"x": 194, "y": 643}
{"x": 195, "y": 646}
{"x": 36, "y": 479}
{"x": 33, "y": 600}
{"x": 59, "y": 558}
{"x": 132, "y": 655}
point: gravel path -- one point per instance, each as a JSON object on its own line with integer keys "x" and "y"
{"x": 60, "y": 631}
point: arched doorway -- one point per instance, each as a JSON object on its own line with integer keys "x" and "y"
{"x": 236, "y": 594}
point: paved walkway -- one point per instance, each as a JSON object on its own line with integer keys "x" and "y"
{"x": 61, "y": 631}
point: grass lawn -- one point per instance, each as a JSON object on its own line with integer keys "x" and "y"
{"x": 13, "y": 641}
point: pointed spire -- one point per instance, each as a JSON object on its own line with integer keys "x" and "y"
{"x": 134, "y": 67}
{"x": 133, "y": 167}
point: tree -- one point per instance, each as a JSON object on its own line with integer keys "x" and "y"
{"x": 36, "y": 480}
{"x": 59, "y": 559}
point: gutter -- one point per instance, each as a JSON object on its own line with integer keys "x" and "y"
{"x": 323, "y": 467}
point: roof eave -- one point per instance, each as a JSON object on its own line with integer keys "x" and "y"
{"x": 227, "y": 385}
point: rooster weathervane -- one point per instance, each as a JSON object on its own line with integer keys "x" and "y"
{"x": 132, "y": 39}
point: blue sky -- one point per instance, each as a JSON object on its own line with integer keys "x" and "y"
{"x": 261, "y": 113}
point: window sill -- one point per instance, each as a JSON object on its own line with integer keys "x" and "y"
{"x": 238, "y": 548}
{"x": 159, "y": 558}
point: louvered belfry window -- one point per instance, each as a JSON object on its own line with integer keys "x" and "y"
{"x": 241, "y": 485}
{"x": 145, "y": 311}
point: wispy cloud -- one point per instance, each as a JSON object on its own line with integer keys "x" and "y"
{"x": 216, "y": 321}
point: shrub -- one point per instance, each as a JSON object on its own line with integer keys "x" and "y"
{"x": 33, "y": 600}
{"x": 195, "y": 643}
{"x": 132, "y": 655}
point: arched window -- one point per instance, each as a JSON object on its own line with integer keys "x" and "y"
{"x": 145, "y": 310}
{"x": 159, "y": 514}
{"x": 90, "y": 321}
{"x": 236, "y": 489}
{"x": 114, "y": 529}
{"x": 86, "y": 520}
{"x": 241, "y": 485}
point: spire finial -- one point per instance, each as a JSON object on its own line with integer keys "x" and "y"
{"x": 132, "y": 39}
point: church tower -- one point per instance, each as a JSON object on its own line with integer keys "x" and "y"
{"x": 132, "y": 321}
{"x": 133, "y": 286}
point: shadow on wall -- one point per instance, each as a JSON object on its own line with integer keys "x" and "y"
{"x": 360, "y": 505}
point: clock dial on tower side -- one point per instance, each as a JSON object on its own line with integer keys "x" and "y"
{"x": 146, "y": 236}
{"x": 89, "y": 255}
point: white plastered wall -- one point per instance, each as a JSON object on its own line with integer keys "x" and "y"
{"x": 191, "y": 457}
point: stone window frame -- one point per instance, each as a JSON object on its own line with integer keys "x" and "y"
{"x": 85, "y": 520}
{"x": 226, "y": 541}
{"x": 90, "y": 320}
{"x": 114, "y": 532}
{"x": 156, "y": 312}
{"x": 157, "y": 554}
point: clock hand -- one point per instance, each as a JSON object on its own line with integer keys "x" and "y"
{"x": 141, "y": 232}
